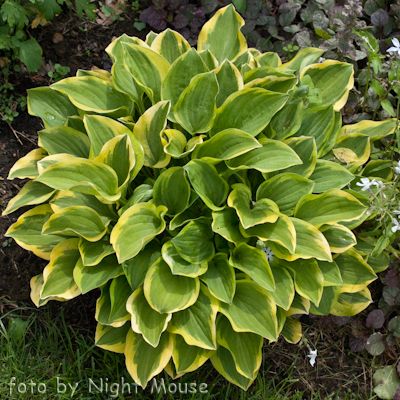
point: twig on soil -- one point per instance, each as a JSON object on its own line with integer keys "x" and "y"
{"x": 16, "y": 133}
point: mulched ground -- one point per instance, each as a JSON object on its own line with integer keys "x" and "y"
{"x": 82, "y": 46}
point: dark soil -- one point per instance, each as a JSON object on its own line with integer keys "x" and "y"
{"x": 83, "y": 47}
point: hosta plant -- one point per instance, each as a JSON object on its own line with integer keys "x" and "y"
{"x": 210, "y": 195}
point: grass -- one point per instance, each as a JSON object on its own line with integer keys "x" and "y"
{"x": 46, "y": 359}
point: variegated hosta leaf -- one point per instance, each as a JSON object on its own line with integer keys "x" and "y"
{"x": 285, "y": 190}
{"x": 194, "y": 242}
{"x": 224, "y": 363}
{"x": 69, "y": 198}
{"x": 209, "y": 59}
{"x": 76, "y": 221}
{"x": 27, "y": 232}
{"x": 110, "y": 338}
{"x": 328, "y": 208}
{"x": 147, "y": 68}
{"x": 26, "y": 167}
{"x": 301, "y": 60}
{"x": 178, "y": 78}
{"x": 318, "y": 122}
{"x": 172, "y": 190}
{"x": 36, "y": 284}
{"x": 168, "y": 293}
{"x": 145, "y": 320}
{"x": 292, "y": 330}
{"x": 300, "y": 305}
{"x": 51, "y": 106}
{"x": 306, "y": 149}
{"x": 329, "y": 175}
{"x": 180, "y": 266}
{"x": 379, "y": 168}
{"x": 196, "y": 324}
{"x": 356, "y": 273}
{"x": 282, "y": 232}
{"x": 229, "y": 81}
{"x": 334, "y": 80}
{"x": 374, "y": 129}
{"x": 251, "y": 213}
{"x": 91, "y": 277}
{"x": 308, "y": 279}
{"x": 82, "y": 175}
{"x": 136, "y": 227}
{"x": 225, "y": 145}
{"x": 142, "y": 194}
{"x": 187, "y": 358}
{"x": 284, "y": 287}
{"x": 272, "y": 156}
{"x": 286, "y": 122}
{"x": 277, "y": 84}
{"x": 225, "y": 23}
{"x": 245, "y": 313}
{"x": 245, "y": 347}
{"x": 253, "y": 262}
{"x": 32, "y": 193}
{"x": 331, "y": 272}
{"x": 118, "y": 154}
{"x": 269, "y": 59}
{"x": 103, "y": 129}
{"x": 58, "y": 279}
{"x": 329, "y": 299}
{"x": 170, "y": 45}
{"x": 205, "y": 180}
{"x": 48, "y": 161}
{"x": 144, "y": 361}
{"x": 249, "y": 110}
{"x": 350, "y": 304}
{"x": 148, "y": 129}
{"x": 220, "y": 278}
{"x": 353, "y": 149}
{"x": 136, "y": 268}
{"x": 310, "y": 243}
{"x": 122, "y": 79}
{"x": 90, "y": 93}
{"x": 196, "y": 108}
{"x": 227, "y": 224}
{"x": 111, "y": 305}
{"x": 339, "y": 237}
{"x": 62, "y": 139}
{"x": 93, "y": 252}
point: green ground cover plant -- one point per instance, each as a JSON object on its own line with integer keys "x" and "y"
{"x": 211, "y": 194}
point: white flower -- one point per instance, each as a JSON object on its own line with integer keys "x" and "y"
{"x": 396, "y": 212}
{"x": 268, "y": 253}
{"x": 396, "y": 48}
{"x": 396, "y": 226}
{"x": 397, "y": 169}
{"x": 312, "y": 356}
{"x": 366, "y": 184}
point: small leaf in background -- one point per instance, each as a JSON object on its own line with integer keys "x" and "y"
{"x": 394, "y": 326}
{"x": 397, "y": 395}
{"x": 391, "y": 295}
{"x": 30, "y": 53}
{"x": 240, "y": 5}
{"x": 386, "y": 382}
{"x": 375, "y": 319}
{"x": 392, "y": 278}
{"x": 387, "y": 106}
{"x": 380, "y": 18}
{"x": 357, "y": 344}
{"x": 357, "y": 328}
{"x": 17, "y": 329}
{"x": 375, "y": 344}
{"x": 85, "y": 6}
